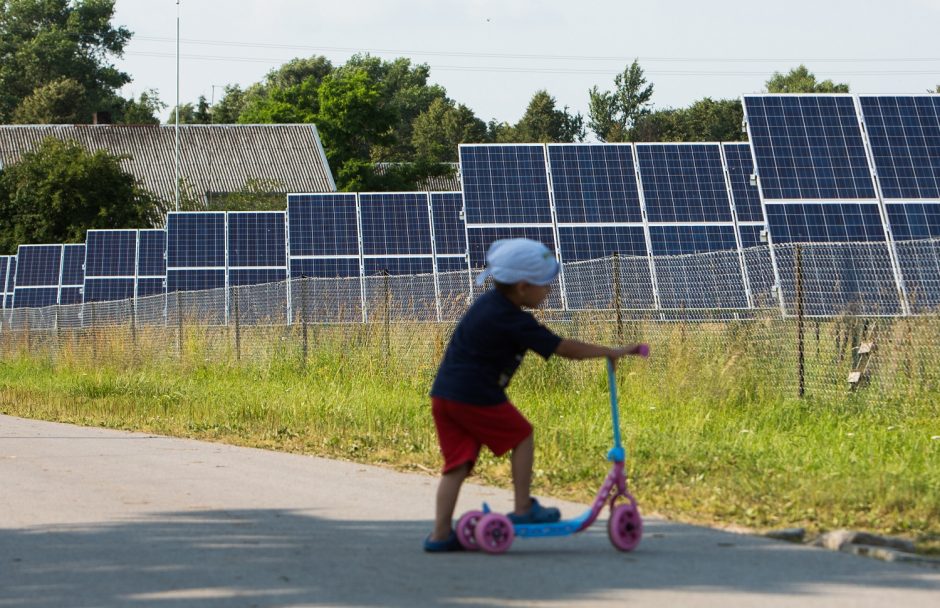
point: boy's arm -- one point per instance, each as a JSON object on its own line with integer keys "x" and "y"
{"x": 573, "y": 349}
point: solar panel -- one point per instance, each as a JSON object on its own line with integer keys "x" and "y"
{"x": 196, "y": 260}
{"x": 904, "y": 135}
{"x": 479, "y": 240}
{"x": 195, "y": 240}
{"x": 744, "y": 194}
{"x": 38, "y": 275}
{"x": 683, "y": 239}
{"x": 257, "y": 256}
{"x": 450, "y": 249}
{"x": 450, "y": 236}
{"x": 151, "y": 263}
{"x": 257, "y": 240}
{"x": 395, "y": 224}
{"x": 855, "y": 273}
{"x": 594, "y": 183}
{"x": 505, "y": 184}
{"x": 152, "y": 254}
{"x": 808, "y": 147}
{"x": 110, "y": 264}
{"x": 912, "y": 224}
{"x": 824, "y": 222}
{"x": 6, "y": 279}
{"x": 323, "y": 227}
{"x": 683, "y": 183}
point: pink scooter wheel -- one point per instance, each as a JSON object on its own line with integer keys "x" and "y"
{"x": 494, "y": 533}
{"x": 465, "y": 527}
{"x": 625, "y": 527}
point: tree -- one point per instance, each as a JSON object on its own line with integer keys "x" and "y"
{"x": 142, "y": 111}
{"x": 58, "y": 102}
{"x": 60, "y": 190}
{"x": 405, "y": 95}
{"x": 801, "y": 80}
{"x": 351, "y": 120}
{"x": 45, "y": 41}
{"x": 544, "y": 123}
{"x": 192, "y": 114}
{"x": 612, "y": 113}
{"x": 289, "y": 94}
{"x": 704, "y": 120}
{"x": 438, "y": 131}
{"x": 230, "y": 107}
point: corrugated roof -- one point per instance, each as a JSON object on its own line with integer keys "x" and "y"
{"x": 440, "y": 183}
{"x": 213, "y": 158}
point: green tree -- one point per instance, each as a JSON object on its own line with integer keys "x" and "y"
{"x": 544, "y": 123}
{"x": 439, "y": 130}
{"x": 612, "y": 113}
{"x": 229, "y": 108}
{"x": 59, "y": 190}
{"x": 352, "y": 119}
{"x": 45, "y": 41}
{"x": 192, "y": 114}
{"x": 801, "y": 80}
{"x": 57, "y": 102}
{"x": 289, "y": 94}
{"x": 406, "y": 94}
{"x": 704, "y": 120}
{"x": 142, "y": 111}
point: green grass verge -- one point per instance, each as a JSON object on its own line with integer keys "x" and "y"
{"x": 711, "y": 435}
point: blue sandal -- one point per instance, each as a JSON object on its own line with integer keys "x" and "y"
{"x": 443, "y": 546}
{"x": 537, "y": 514}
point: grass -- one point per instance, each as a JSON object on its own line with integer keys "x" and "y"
{"x": 713, "y": 424}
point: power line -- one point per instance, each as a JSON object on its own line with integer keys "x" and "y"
{"x": 539, "y": 70}
{"x": 621, "y": 58}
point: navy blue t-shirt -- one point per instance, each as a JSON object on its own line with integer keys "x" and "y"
{"x": 486, "y": 349}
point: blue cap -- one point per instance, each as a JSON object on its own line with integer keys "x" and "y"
{"x": 514, "y": 260}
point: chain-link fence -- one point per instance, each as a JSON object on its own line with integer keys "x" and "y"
{"x": 824, "y": 319}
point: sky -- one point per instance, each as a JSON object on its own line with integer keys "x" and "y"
{"x": 493, "y": 55}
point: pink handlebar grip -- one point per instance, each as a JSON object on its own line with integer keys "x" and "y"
{"x": 643, "y": 350}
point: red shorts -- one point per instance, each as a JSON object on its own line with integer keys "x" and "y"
{"x": 462, "y": 429}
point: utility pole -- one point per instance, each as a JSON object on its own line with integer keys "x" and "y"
{"x": 177, "y": 105}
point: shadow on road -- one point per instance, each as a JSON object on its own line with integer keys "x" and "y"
{"x": 288, "y": 558}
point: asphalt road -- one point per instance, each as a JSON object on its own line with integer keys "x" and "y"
{"x": 92, "y": 517}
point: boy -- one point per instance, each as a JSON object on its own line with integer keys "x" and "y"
{"x": 468, "y": 396}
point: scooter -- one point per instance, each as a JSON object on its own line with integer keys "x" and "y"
{"x": 494, "y": 532}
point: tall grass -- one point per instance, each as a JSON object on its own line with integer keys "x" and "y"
{"x": 713, "y": 424}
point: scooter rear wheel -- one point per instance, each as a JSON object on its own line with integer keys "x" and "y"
{"x": 625, "y": 527}
{"x": 494, "y": 533}
{"x": 465, "y": 528}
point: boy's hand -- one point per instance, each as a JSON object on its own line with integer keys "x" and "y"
{"x": 640, "y": 350}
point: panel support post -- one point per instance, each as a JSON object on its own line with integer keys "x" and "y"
{"x": 799, "y": 320}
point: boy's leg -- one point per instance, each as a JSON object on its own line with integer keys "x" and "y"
{"x": 447, "y": 492}
{"x": 523, "y": 456}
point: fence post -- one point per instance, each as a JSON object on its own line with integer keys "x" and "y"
{"x": 303, "y": 320}
{"x": 132, "y": 315}
{"x": 388, "y": 310}
{"x": 238, "y": 333}
{"x": 617, "y": 302}
{"x": 179, "y": 327}
{"x": 799, "y": 319}
{"x": 93, "y": 332}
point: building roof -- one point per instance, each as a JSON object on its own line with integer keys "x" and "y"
{"x": 213, "y": 158}
{"x": 440, "y": 183}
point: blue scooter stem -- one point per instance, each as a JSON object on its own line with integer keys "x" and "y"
{"x": 616, "y": 454}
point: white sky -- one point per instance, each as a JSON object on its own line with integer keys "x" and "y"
{"x": 492, "y": 55}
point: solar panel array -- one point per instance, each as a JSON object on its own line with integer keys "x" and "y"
{"x": 831, "y": 170}
{"x": 7, "y": 274}
{"x": 38, "y": 276}
{"x": 819, "y": 162}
